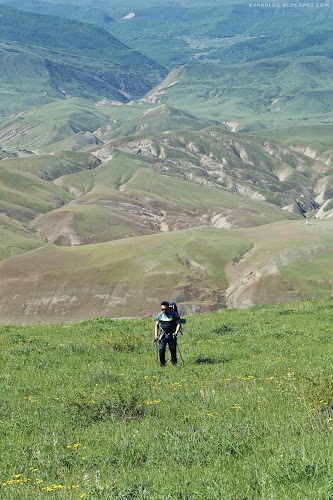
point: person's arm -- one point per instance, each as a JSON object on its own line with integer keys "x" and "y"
{"x": 177, "y": 328}
{"x": 156, "y": 329}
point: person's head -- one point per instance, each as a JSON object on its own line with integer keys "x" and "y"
{"x": 164, "y": 306}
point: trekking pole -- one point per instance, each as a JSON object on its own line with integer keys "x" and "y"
{"x": 181, "y": 357}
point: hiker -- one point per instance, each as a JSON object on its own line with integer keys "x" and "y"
{"x": 167, "y": 326}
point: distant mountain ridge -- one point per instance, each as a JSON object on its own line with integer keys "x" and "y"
{"x": 65, "y": 35}
{"x": 179, "y": 32}
{"x": 44, "y": 58}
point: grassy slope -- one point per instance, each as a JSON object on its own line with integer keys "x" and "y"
{"x": 126, "y": 277}
{"x": 290, "y": 265}
{"x": 34, "y": 76}
{"x": 46, "y": 125}
{"x": 158, "y": 119}
{"x": 266, "y": 92}
{"x": 117, "y": 201}
{"x": 23, "y": 196}
{"x": 212, "y": 156}
{"x": 118, "y": 275}
{"x": 245, "y": 416}
{"x": 54, "y": 127}
{"x": 25, "y": 81}
{"x": 50, "y": 167}
{"x": 12, "y": 244}
{"x": 16, "y": 238}
{"x": 256, "y": 168}
{"x": 318, "y": 137}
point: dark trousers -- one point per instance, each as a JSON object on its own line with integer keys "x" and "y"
{"x": 172, "y": 343}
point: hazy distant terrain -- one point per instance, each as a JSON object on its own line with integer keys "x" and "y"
{"x": 181, "y": 146}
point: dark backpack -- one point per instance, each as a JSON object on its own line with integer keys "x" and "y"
{"x": 173, "y": 307}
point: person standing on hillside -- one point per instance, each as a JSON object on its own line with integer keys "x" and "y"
{"x": 167, "y": 327}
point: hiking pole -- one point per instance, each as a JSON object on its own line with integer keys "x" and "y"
{"x": 181, "y": 357}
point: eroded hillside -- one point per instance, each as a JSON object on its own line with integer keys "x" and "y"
{"x": 204, "y": 269}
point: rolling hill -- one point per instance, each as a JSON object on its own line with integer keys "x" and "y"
{"x": 78, "y": 124}
{"x": 24, "y": 196}
{"x": 127, "y": 196}
{"x": 314, "y": 140}
{"x": 16, "y": 238}
{"x": 256, "y": 168}
{"x": 160, "y": 181}
{"x": 204, "y": 269}
{"x": 36, "y": 129}
{"x": 50, "y": 167}
{"x": 131, "y": 187}
{"x": 156, "y": 119}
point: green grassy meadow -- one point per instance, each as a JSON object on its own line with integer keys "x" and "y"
{"x": 86, "y": 411}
